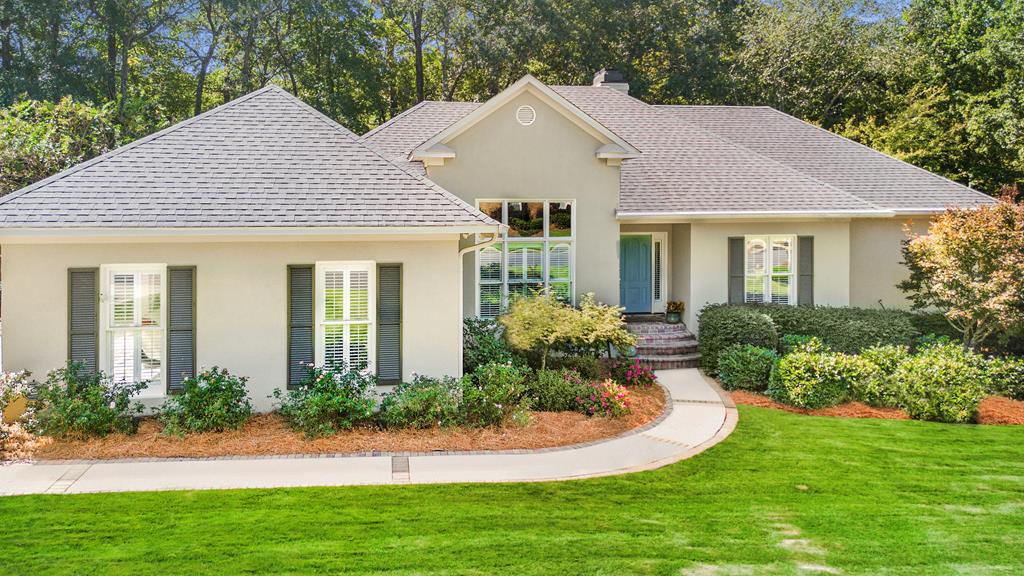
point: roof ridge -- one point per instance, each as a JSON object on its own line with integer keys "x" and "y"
{"x": 773, "y": 161}
{"x": 135, "y": 144}
{"x": 458, "y": 202}
{"x": 866, "y": 147}
{"x": 390, "y": 121}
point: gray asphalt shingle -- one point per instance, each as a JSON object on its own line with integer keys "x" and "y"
{"x": 263, "y": 160}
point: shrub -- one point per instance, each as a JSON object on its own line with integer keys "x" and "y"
{"x": 746, "y": 367}
{"x": 802, "y": 343}
{"x": 1006, "y": 377}
{"x": 722, "y": 325}
{"x": 213, "y": 400}
{"x": 818, "y": 379}
{"x": 944, "y": 383}
{"x": 555, "y": 390}
{"x": 423, "y": 403}
{"x": 632, "y": 373}
{"x": 13, "y": 385}
{"x": 328, "y": 399}
{"x": 887, "y": 358}
{"x": 847, "y": 330}
{"x": 588, "y": 367}
{"x": 76, "y": 404}
{"x": 482, "y": 342}
{"x": 495, "y": 393}
{"x": 605, "y": 398}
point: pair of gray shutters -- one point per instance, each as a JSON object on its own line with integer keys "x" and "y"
{"x": 804, "y": 270}
{"x": 83, "y": 321}
{"x": 302, "y": 330}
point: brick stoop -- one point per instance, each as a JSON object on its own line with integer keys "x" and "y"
{"x": 664, "y": 346}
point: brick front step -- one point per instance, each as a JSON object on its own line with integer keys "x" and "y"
{"x": 671, "y": 362}
{"x": 669, "y": 348}
{"x": 658, "y": 328}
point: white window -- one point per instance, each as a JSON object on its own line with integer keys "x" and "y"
{"x": 346, "y": 310}
{"x": 770, "y": 269}
{"x": 133, "y": 319}
{"x": 536, "y": 253}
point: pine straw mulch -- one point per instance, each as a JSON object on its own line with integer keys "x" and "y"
{"x": 269, "y": 434}
{"x": 993, "y": 410}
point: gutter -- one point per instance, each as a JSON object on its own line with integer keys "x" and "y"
{"x": 753, "y": 215}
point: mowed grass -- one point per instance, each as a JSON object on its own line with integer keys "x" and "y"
{"x": 785, "y": 494}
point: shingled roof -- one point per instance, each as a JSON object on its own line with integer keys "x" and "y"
{"x": 707, "y": 160}
{"x": 263, "y": 160}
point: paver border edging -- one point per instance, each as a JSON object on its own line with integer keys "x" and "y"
{"x": 665, "y": 413}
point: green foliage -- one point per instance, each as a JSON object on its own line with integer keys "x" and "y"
{"x": 888, "y": 358}
{"x": 494, "y": 394}
{"x": 818, "y": 379}
{"x": 944, "y": 383}
{"x": 746, "y": 367}
{"x": 722, "y": 325}
{"x": 76, "y": 404}
{"x": 423, "y": 403}
{"x": 588, "y": 367}
{"x": 556, "y": 390}
{"x": 632, "y": 373}
{"x": 329, "y": 399}
{"x": 213, "y": 400}
{"x": 607, "y": 398}
{"x": 1006, "y": 377}
{"x": 482, "y": 343}
{"x": 801, "y": 343}
{"x": 847, "y": 330}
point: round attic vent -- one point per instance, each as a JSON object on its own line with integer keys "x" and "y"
{"x": 526, "y": 115}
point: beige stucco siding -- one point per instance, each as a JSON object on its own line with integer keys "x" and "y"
{"x": 876, "y": 260}
{"x": 240, "y": 301}
{"x": 709, "y": 250}
{"x": 553, "y": 158}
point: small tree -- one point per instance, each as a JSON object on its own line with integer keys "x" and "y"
{"x": 539, "y": 322}
{"x": 970, "y": 265}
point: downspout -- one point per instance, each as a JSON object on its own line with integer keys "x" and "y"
{"x": 492, "y": 238}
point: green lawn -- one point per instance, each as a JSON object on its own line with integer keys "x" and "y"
{"x": 860, "y": 496}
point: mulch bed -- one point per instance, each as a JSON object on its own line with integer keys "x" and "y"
{"x": 269, "y": 434}
{"x": 993, "y": 410}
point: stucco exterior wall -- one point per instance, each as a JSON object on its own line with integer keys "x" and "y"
{"x": 551, "y": 159}
{"x": 875, "y": 260}
{"x": 709, "y": 260}
{"x": 241, "y": 296}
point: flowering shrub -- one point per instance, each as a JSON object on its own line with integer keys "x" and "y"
{"x": 329, "y": 398}
{"x": 494, "y": 393}
{"x": 1006, "y": 377}
{"x": 944, "y": 383}
{"x": 605, "y": 398}
{"x": 75, "y": 403}
{"x": 632, "y": 373}
{"x": 214, "y": 400}
{"x": 818, "y": 380}
{"x": 556, "y": 390}
{"x": 423, "y": 403}
{"x": 12, "y": 386}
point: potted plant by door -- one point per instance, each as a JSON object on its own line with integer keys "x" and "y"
{"x": 674, "y": 312}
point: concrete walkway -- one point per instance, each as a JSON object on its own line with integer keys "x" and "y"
{"x": 701, "y": 416}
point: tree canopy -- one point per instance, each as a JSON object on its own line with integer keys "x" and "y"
{"x": 939, "y": 83}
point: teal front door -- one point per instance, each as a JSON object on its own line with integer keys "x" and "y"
{"x": 635, "y": 273}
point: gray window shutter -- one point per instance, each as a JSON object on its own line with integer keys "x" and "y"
{"x": 805, "y": 270}
{"x": 389, "y": 323}
{"x": 181, "y": 325}
{"x": 736, "y": 270}
{"x": 83, "y": 316}
{"x": 301, "y": 350}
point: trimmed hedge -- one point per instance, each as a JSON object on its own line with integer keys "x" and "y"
{"x": 746, "y": 367}
{"x": 819, "y": 379}
{"x": 722, "y": 325}
{"x": 944, "y": 383}
{"x": 1006, "y": 377}
{"x": 847, "y": 330}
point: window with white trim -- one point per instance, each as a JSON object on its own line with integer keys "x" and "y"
{"x": 345, "y": 314}
{"x": 770, "y": 269}
{"x": 536, "y": 253}
{"x": 133, "y": 322}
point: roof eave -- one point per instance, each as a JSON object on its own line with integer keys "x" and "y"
{"x": 692, "y": 215}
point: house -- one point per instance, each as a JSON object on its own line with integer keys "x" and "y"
{"x": 262, "y": 235}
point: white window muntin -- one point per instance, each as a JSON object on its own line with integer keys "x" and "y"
{"x": 507, "y": 243}
{"x": 769, "y": 265}
{"x": 133, "y": 342}
{"x": 346, "y": 320}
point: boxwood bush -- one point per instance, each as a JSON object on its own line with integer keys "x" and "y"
{"x": 818, "y": 379}
{"x": 722, "y": 325}
{"x": 944, "y": 383}
{"x": 746, "y": 367}
{"x": 213, "y": 400}
{"x": 423, "y": 403}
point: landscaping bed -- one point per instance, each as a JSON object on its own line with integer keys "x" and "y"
{"x": 270, "y": 434}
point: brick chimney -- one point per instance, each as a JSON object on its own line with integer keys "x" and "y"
{"x": 611, "y": 78}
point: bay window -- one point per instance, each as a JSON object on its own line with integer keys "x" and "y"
{"x": 536, "y": 253}
{"x": 133, "y": 324}
{"x": 770, "y": 269}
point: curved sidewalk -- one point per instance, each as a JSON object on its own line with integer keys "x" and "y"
{"x": 701, "y": 416}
